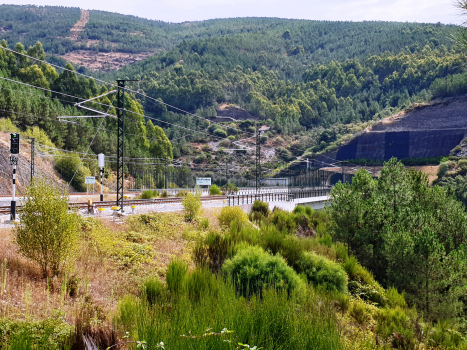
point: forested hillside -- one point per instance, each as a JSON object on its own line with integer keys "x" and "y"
{"x": 314, "y": 83}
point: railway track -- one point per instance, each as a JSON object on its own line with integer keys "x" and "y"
{"x": 127, "y": 202}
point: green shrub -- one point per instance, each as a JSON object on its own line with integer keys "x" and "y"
{"x": 220, "y": 133}
{"x": 325, "y": 240}
{"x": 214, "y": 190}
{"x": 153, "y": 290}
{"x": 360, "y": 311}
{"x": 176, "y": 271}
{"x": 292, "y": 249}
{"x": 272, "y": 239}
{"x": 192, "y": 206}
{"x": 48, "y": 232}
{"x": 67, "y": 166}
{"x": 394, "y": 298}
{"x": 261, "y": 207}
{"x": 252, "y": 270}
{"x": 50, "y": 334}
{"x": 231, "y": 214}
{"x": 203, "y": 223}
{"x": 147, "y": 194}
{"x": 182, "y": 193}
{"x": 444, "y": 168}
{"x": 394, "y": 325}
{"x": 284, "y": 221}
{"x": 320, "y": 271}
{"x": 445, "y": 335}
{"x": 362, "y": 284}
{"x": 213, "y": 250}
{"x": 199, "y": 282}
{"x": 243, "y": 232}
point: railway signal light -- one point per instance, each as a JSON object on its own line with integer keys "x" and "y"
{"x": 14, "y": 143}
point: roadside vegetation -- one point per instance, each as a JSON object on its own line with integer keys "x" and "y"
{"x": 222, "y": 279}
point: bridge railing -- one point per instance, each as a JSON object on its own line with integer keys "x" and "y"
{"x": 241, "y": 199}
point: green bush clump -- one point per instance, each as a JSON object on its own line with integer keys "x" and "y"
{"x": 394, "y": 298}
{"x": 220, "y": 133}
{"x": 48, "y": 231}
{"x": 66, "y": 166}
{"x": 182, "y": 193}
{"x": 164, "y": 194}
{"x": 323, "y": 272}
{"x": 231, "y": 214}
{"x": 259, "y": 211}
{"x": 395, "y": 325}
{"x": 200, "y": 281}
{"x": 213, "y": 250}
{"x": 284, "y": 221}
{"x": 147, "y": 194}
{"x": 176, "y": 271}
{"x": 153, "y": 290}
{"x": 50, "y": 334}
{"x": 271, "y": 239}
{"x": 191, "y": 206}
{"x": 214, "y": 190}
{"x": 252, "y": 270}
{"x": 362, "y": 284}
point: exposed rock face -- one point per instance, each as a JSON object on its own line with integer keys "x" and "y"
{"x": 425, "y": 131}
{"x": 227, "y": 113}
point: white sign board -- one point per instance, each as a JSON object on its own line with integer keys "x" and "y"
{"x": 89, "y": 180}
{"x": 203, "y": 181}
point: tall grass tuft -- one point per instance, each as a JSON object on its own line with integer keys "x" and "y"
{"x": 176, "y": 271}
{"x": 220, "y": 320}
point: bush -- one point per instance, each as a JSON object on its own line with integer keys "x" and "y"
{"x": 284, "y": 221}
{"x": 203, "y": 224}
{"x": 220, "y": 133}
{"x": 148, "y": 194}
{"x": 292, "y": 249}
{"x": 394, "y": 325}
{"x": 176, "y": 271}
{"x": 271, "y": 239}
{"x": 164, "y": 194}
{"x": 192, "y": 206}
{"x": 395, "y": 299}
{"x": 48, "y": 232}
{"x": 362, "y": 283}
{"x": 153, "y": 290}
{"x": 50, "y": 334}
{"x": 182, "y": 193}
{"x": 252, "y": 270}
{"x": 66, "y": 166}
{"x": 444, "y": 167}
{"x": 323, "y": 272}
{"x": 214, "y": 190}
{"x": 261, "y": 207}
{"x": 200, "y": 282}
{"x": 230, "y": 214}
{"x": 213, "y": 250}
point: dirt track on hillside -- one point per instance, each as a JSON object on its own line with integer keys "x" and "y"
{"x": 79, "y": 26}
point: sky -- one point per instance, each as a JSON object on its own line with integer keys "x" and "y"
{"x": 430, "y": 11}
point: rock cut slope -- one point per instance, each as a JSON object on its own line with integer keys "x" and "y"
{"x": 421, "y": 131}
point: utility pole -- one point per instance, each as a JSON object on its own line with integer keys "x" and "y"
{"x": 121, "y": 140}
{"x": 258, "y": 160}
{"x": 166, "y": 173}
{"x": 101, "y": 159}
{"x": 14, "y": 150}
{"x": 32, "y": 159}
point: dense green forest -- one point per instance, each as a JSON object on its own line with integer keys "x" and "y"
{"x": 314, "y": 83}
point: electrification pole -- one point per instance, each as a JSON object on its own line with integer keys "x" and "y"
{"x": 101, "y": 159}
{"x": 166, "y": 173}
{"x": 121, "y": 140}
{"x": 258, "y": 160}
{"x": 32, "y": 159}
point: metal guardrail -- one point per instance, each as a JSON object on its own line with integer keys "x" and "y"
{"x": 242, "y": 199}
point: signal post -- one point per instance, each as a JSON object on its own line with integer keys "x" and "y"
{"x": 14, "y": 151}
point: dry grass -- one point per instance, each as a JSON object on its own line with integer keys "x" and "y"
{"x": 102, "y": 280}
